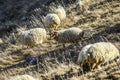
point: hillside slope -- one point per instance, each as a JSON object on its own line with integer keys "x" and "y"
{"x": 102, "y": 16}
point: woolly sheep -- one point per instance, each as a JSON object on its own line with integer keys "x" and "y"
{"x": 72, "y": 34}
{"x": 52, "y": 21}
{"x": 22, "y": 77}
{"x": 67, "y": 35}
{"x": 60, "y": 11}
{"x": 100, "y": 53}
{"x": 32, "y": 37}
{"x": 82, "y": 53}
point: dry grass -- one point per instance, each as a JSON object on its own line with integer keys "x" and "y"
{"x": 56, "y": 64}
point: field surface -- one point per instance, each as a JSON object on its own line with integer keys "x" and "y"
{"x": 54, "y": 62}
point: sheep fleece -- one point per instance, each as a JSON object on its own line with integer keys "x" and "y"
{"x": 68, "y": 35}
{"x": 81, "y": 56}
{"x": 32, "y": 37}
{"x": 102, "y": 52}
{"x": 52, "y": 21}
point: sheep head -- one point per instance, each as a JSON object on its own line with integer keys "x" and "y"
{"x": 54, "y": 35}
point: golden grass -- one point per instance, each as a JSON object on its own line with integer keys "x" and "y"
{"x": 53, "y": 62}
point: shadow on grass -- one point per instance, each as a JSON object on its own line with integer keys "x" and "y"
{"x": 67, "y": 56}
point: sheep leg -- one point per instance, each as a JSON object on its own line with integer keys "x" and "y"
{"x": 93, "y": 66}
{"x": 90, "y": 65}
{"x": 98, "y": 65}
{"x": 81, "y": 67}
{"x": 64, "y": 47}
{"x": 117, "y": 63}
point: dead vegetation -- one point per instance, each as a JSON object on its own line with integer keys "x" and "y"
{"x": 53, "y": 63}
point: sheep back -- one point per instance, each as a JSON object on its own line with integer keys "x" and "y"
{"x": 52, "y": 21}
{"x": 68, "y": 35}
{"x": 32, "y": 37}
{"x": 102, "y": 52}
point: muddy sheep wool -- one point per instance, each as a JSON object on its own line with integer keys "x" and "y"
{"x": 100, "y": 53}
{"x": 32, "y": 37}
{"x": 52, "y": 21}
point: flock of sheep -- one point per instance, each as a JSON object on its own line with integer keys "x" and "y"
{"x": 93, "y": 54}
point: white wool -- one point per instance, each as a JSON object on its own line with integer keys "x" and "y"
{"x": 100, "y": 53}
{"x": 81, "y": 56}
{"x": 52, "y": 21}
{"x": 68, "y": 35}
{"x": 32, "y": 37}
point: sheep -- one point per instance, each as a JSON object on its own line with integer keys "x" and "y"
{"x": 72, "y": 34}
{"x": 67, "y": 35}
{"x": 32, "y": 37}
{"x": 60, "y": 11}
{"x": 100, "y": 53}
{"x": 22, "y": 77}
{"x": 52, "y": 21}
{"x": 82, "y": 53}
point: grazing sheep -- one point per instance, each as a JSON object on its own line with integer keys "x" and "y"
{"x": 32, "y": 37}
{"x": 67, "y": 35}
{"x": 60, "y": 11}
{"x": 82, "y": 53}
{"x": 100, "y": 53}
{"x": 22, "y": 77}
{"x": 52, "y": 21}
